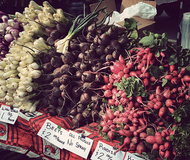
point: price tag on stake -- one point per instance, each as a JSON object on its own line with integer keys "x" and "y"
{"x": 8, "y": 114}
{"x": 78, "y": 144}
{"x": 104, "y": 151}
{"x": 53, "y": 134}
{"x": 130, "y": 156}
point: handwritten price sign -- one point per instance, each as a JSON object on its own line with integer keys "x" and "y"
{"x": 104, "y": 151}
{"x": 130, "y": 156}
{"x": 78, "y": 144}
{"x": 53, "y": 134}
{"x": 8, "y": 114}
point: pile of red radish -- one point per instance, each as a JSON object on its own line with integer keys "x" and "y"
{"x": 133, "y": 116}
{"x": 9, "y": 31}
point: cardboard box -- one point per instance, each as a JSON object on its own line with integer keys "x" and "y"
{"x": 142, "y": 24}
{"x": 128, "y": 3}
{"x": 110, "y": 4}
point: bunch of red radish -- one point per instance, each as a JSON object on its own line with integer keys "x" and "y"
{"x": 165, "y": 93}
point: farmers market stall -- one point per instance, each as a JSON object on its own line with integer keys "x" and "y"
{"x": 74, "y": 87}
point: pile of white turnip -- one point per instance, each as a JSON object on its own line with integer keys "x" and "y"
{"x": 143, "y": 120}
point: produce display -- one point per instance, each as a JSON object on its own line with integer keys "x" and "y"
{"x": 135, "y": 88}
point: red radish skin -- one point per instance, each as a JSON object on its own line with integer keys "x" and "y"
{"x": 162, "y": 54}
{"x": 171, "y": 110}
{"x": 109, "y": 122}
{"x": 110, "y": 113}
{"x": 126, "y": 142}
{"x": 111, "y": 80}
{"x": 105, "y": 117}
{"x": 158, "y": 105}
{"x": 150, "y": 139}
{"x": 141, "y": 121}
{"x": 132, "y": 128}
{"x": 126, "y": 70}
{"x": 120, "y": 75}
{"x": 116, "y": 113}
{"x": 111, "y": 102}
{"x": 103, "y": 123}
{"x": 186, "y": 78}
{"x": 157, "y": 134}
{"x": 141, "y": 129}
{"x": 133, "y": 73}
{"x": 119, "y": 65}
{"x": 158, "y": 90}
{"x": 159, "y": 140}
{"x": 150, "y": 105}
{"x": 151, "y": 97}
{"x": 172, "y": 67}
{"x": 161, "y": 153}
{"x": 146, "y": 82}
{"x": 111, "y": 135}
{"x": 175, "y": 80}
{"x": 143, "y": 135}
{"x": 167, "y": 154}
{"x": 149, "y": 57}
{"x": 105, "y": 129}
{"x": 162, "y": 111}
{"x": 132, "y": 147}
{"x": 160, "y": 97}
{"x": 155, "y": 146}
{"x": 167, "y": 145}
{"x": 121, "y": 59}
{"x": 129, "y": 65}
{"x": 167, "y": 93}
{"x": 106, "y": 79}
{"x": 108, "y": 93}
{"x": 169, "y": 103}
{"x": 175, "y": 73}
{"x": 109, "y": 86}
{"x": 168, "y": 77}
{"x": 161, "y": 148}
{"x": 139, "y": 99}
{"x": 104, "y": 87}
{"x": 124, "y": 132}
{"x": 152, "y": 79}
{"x": 114, "y": 69}
{"x": 141, "y": 148}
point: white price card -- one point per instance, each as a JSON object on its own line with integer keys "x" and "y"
{"x": 130, "y": 156}
{"x": 53, "y": 134}
{"x": 78, "y": 144}
{"x": 104, "y": 151}
{"x": 8, "y": 114}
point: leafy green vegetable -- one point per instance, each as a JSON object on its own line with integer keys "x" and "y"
{"x": 181, "y": 138}
{"x": 164, "y": 82}
{"x": 130, "y": 23}
{"x": 147, "y": 41}
{"x": 131, "y": 86}
{"x": 155, "y": 71}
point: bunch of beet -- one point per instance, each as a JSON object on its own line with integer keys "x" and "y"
{"x": 75, "y": 78}
{"x": 165, "y": 92}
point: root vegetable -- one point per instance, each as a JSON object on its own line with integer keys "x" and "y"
{"x": 150, "y": 139}
{"x": 141, "y": 148}
{"x": 126, "y": 142}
